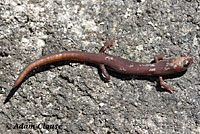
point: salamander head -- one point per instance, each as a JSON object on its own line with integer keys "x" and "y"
{"x": 181, "y": 62}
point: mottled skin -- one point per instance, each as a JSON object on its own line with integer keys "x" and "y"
{"x": 159, "y": 68}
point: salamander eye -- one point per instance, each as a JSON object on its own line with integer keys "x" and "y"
{"x": 183, "y": 55}
{"x": 186, "y": 63}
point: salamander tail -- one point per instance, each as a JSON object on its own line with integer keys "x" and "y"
{"x": 12, "y": 92}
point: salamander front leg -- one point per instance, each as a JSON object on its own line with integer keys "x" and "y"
{"x": 107, "y": 44}
{"x": 162, "y": 83}
{"x": 159, "y": 57}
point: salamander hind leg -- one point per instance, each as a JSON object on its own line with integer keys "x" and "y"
{"x": 107, "y": 44}
{"x": 104, "y": 72}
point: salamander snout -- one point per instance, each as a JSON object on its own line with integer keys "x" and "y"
{"x": 182, "y": 62}
{"x": 187, "y": 60}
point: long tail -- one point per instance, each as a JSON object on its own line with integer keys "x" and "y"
{"x": 66, "y": 55}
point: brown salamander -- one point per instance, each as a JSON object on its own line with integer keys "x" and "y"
{"x": 159, "y": 68}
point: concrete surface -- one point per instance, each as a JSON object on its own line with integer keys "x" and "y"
{"x": 71, "y": 97}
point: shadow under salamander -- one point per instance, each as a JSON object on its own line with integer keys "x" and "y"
{"x": 144, "y": 77}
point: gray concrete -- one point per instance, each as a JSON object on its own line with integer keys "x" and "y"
{"x": 72, "y": 97}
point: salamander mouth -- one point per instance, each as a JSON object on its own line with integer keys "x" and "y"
{"x": 188, "y": 61}
{"x": 182, "y": 62}
{"x": 185, "y": 61}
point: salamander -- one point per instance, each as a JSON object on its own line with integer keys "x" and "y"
{"x": 160, "y": 67}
